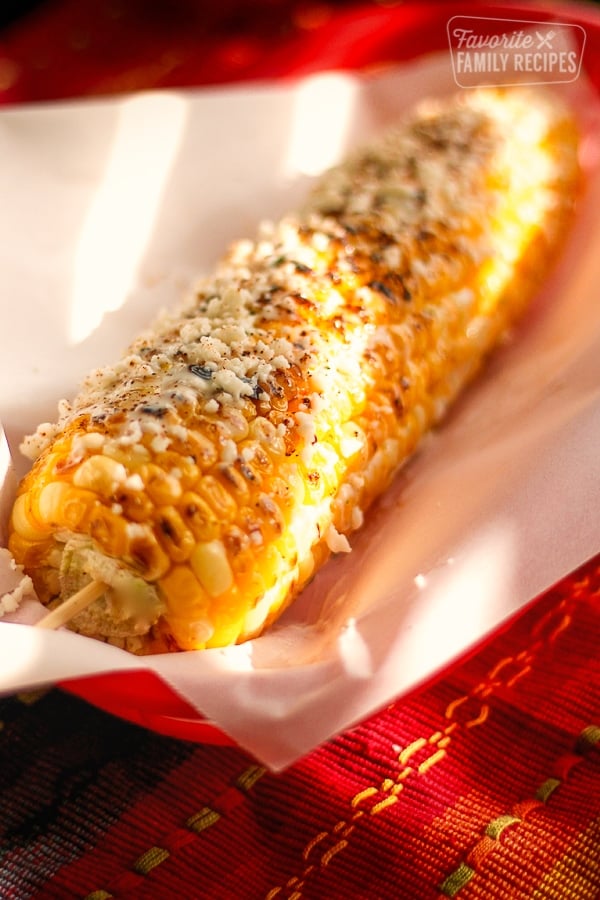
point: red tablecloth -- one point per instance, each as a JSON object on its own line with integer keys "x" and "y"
{"x": 484, "y": 785}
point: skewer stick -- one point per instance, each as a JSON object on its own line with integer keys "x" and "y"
{"x": 73, "y": 605}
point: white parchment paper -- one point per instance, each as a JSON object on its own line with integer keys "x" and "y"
{"x": 109, "y": 209}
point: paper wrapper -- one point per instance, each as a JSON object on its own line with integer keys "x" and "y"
{"x": 110, "y": 207}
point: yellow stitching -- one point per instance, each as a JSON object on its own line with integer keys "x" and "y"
{"x": 589, "y": 738}
{"x": 28, "y": 698}
{"x": 362, "y": 795}
{"x": 248, "y": 779}
{"x": 502, "y": 664}
{"x": 495, "y": 828}
{"x": 327, "y": 857}
{"x": 150, "y": 859}
{"x": 388, "y": 801}
{"x": 431, "y": 761}
{"x": 480, "y": 719}
{"x": 524, "y": 671}
{"x": 316, "y": 840}
{"x": 547, "y": 788}
{"x": 343, "y": 827}
{"x": 412, "y": 748}
{"x": 562, "y": 625}
{"x": 203, "y": 819}
{"x": 452, "y": 707}
{"x": 457, "y": 880}
{"x": 484, "y": 689}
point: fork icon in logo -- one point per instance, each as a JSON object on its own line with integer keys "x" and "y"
{"x": 545, "y": 40}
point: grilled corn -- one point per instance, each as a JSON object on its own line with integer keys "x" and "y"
{"x": 205, "y": 477}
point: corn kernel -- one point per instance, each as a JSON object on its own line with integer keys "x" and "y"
{"x": 24, "y": 522}
{"x": 145, "y": 553}
{"x": 211, "y": 567}
{"x": 219, "y": 498}
{"x": 198, "y": 516}
{"x": 136, "y": 505}
{"x": 187, "y": 471}
{"x": 191, "y": 635}
{"x": 163, "y": 489}
{"x": 263, "y": 431}
{"x": 201, "y": 449}
{"x": 108, "y": 531}
{"x": 184, "y": 595}
{"x": 100, "y": 474}
{"x": 132, "y": 456}
{"x": 236, "y": 424}
{"x": 50, "y": 502}
{"x": 174, "y": 537}
{"x": 61, "y": 505}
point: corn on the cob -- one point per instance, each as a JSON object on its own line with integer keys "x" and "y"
{"x": 205, "y": 477}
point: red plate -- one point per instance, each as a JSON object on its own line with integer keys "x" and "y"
{"x": 364, "y": 37}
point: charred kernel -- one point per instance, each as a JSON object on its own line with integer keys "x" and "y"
{"x": 301, "y": 267}
{"x": 382, "y": 288}
{"x": 173, "y": 535}
{"x": 247, "y": 471}
{"x": 146, "y": 555}
{"x": 108, "y": 531}
{"x": 198, "y": 516}
{"x": 235, "y": 480}
{"x": 203, "y": 372}
{"x": 157, "y": 411}
{"x": 235, "y": 540}
{"x": 136, "y": 505}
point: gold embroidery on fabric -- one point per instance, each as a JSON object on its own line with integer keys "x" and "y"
{"x": 467, "y": 711}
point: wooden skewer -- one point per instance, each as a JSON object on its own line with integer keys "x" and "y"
{"x": 73, "y": 605}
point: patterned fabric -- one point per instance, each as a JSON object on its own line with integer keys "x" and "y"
{"x": 484, "y": 784}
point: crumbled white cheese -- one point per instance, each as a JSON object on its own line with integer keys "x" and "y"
{"x": 14, "y": 584}
{"x": 160, "y": 443}
{"x": 229, "y": 452}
